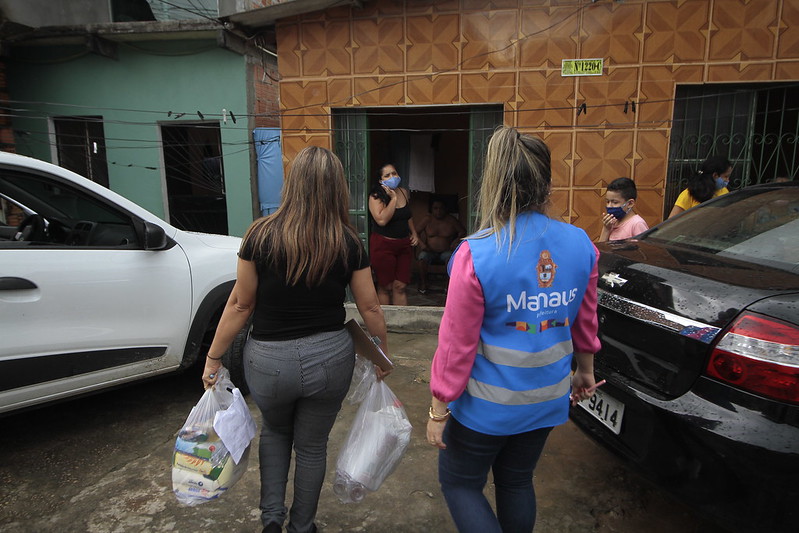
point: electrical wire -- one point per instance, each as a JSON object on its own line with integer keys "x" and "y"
{"x": 244, "y": 146}
{"x": 609, "y": 125}
{"x": 247, "y": 145}
{"x": 286, "y": 112}
{"x": 452, "y": 69}
{"x": 193, "y": 12}
{"x": 407, "y": 111}
{"x": 24, "y": 113}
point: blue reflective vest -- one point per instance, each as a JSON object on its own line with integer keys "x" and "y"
{"x": 521, "y": 377}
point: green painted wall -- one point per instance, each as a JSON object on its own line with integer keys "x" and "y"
{"x": 133, "y": 94}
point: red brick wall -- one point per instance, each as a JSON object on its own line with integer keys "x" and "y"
{"x": 267, "y": 104}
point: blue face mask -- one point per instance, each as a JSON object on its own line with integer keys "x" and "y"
{"x": 392, "y": 182}
{"x": 617, "y": 212}
{"x": 721, "y": 183}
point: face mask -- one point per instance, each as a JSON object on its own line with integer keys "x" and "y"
{"x": 721, "y": 183}
{"x": 392, "y": 182}
{"x": 617, "y": 212}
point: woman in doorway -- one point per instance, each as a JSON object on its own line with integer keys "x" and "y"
{"x": 393, "y": 237}
{"x": 501, "y": 376}
{"x": 293, "y": 270}
{"x": 711, "y": 180}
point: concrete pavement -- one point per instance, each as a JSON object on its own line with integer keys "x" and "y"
{"x": 103, "y": 464}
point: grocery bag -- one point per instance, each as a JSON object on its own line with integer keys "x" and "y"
{"x": 375, "y": 445}
{"x": 212, "y": 447}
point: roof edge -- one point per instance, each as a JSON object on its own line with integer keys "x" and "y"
{"x": 268, "y": 15}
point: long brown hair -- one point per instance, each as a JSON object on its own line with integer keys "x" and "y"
{"x": 516, "y": 178}
{"x": 308, "y": 233}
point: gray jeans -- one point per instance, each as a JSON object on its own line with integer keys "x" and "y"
{"x": 298, "y": 385}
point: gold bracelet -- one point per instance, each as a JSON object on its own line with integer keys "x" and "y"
{"x": 437, "y": 417}
{"x": 213, "y": 358}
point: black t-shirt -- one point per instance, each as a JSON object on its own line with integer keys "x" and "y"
{"x": 284, "y": 312}
{"x": 398, "y": 227}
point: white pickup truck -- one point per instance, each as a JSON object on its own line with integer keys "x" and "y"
{"x": 95, "y": 291}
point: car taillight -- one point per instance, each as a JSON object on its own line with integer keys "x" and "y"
{"x": 759, "y": 354}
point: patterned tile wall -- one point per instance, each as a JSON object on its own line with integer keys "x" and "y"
{"x": 425, "y": 52}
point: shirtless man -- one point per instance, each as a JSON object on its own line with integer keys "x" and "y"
{"x": 439, "y": 234}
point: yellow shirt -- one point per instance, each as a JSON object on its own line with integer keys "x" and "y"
{"x": 686, "y": 201}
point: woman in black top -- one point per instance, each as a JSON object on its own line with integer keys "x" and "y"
{"x": 293, "y": 270}
{"x": 393, "y": 237}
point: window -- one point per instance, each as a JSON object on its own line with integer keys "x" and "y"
{"x": 80, "y": 144}
{"x": 754, "y": 125}
{"x": 61, "y": 215}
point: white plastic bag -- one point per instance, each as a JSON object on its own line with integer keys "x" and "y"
{"x": 374, "y": 447}
{"x": 235, "y": 426}
{"x": 202, "y": 466}
{"x": 363, "y": 376}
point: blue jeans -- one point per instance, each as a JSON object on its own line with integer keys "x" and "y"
{"x": 463, "y": 470}
{"x": 298, "y": 385}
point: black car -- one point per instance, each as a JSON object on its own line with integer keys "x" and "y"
{"x": 699, "y": 324}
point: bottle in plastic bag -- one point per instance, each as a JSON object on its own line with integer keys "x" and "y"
{"x": 348, "y": 490}
{"x": 374, "y": 447}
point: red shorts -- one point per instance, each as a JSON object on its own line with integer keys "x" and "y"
{"x": 391, "y": 259}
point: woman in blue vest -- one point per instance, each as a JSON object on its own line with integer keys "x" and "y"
{"x": 521, "y": 308}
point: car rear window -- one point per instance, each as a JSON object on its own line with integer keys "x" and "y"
{"x": 759, "y": 225}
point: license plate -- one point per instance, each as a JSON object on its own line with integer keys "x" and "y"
{"x": 606, "y": 409}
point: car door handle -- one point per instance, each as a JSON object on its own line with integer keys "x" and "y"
{"x": 16, "y": 284}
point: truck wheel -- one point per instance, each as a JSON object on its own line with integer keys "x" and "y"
{"x": 233, "y": 359}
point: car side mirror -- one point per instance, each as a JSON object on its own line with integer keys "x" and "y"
{"x": 154, "y": 237}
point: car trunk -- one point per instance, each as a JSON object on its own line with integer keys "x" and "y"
{"x": 661, "y": 307}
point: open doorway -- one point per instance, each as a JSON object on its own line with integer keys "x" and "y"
{"x": 438, "y": 152}
{"x": 195, "y": 181}
{"x": 430, "y": 149}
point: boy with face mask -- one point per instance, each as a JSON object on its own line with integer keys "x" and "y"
{"x": 619, "y": 221}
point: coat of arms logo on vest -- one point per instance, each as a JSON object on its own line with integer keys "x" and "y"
{"x": 546, "y": 268}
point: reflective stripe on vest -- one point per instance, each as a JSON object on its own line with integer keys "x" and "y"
{"x": 503, "y": 396}
{"x": 521, "y": 359}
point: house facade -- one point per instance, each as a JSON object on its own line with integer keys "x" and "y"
{"x": 160, "y": 109}
{"x": 677, "y": 81}
{"x": 183, "y": 102}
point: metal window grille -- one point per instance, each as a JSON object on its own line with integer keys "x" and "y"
{"x": 755, "y": 126}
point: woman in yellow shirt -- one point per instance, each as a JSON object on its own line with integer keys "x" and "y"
{"x": 710, "y": 181}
